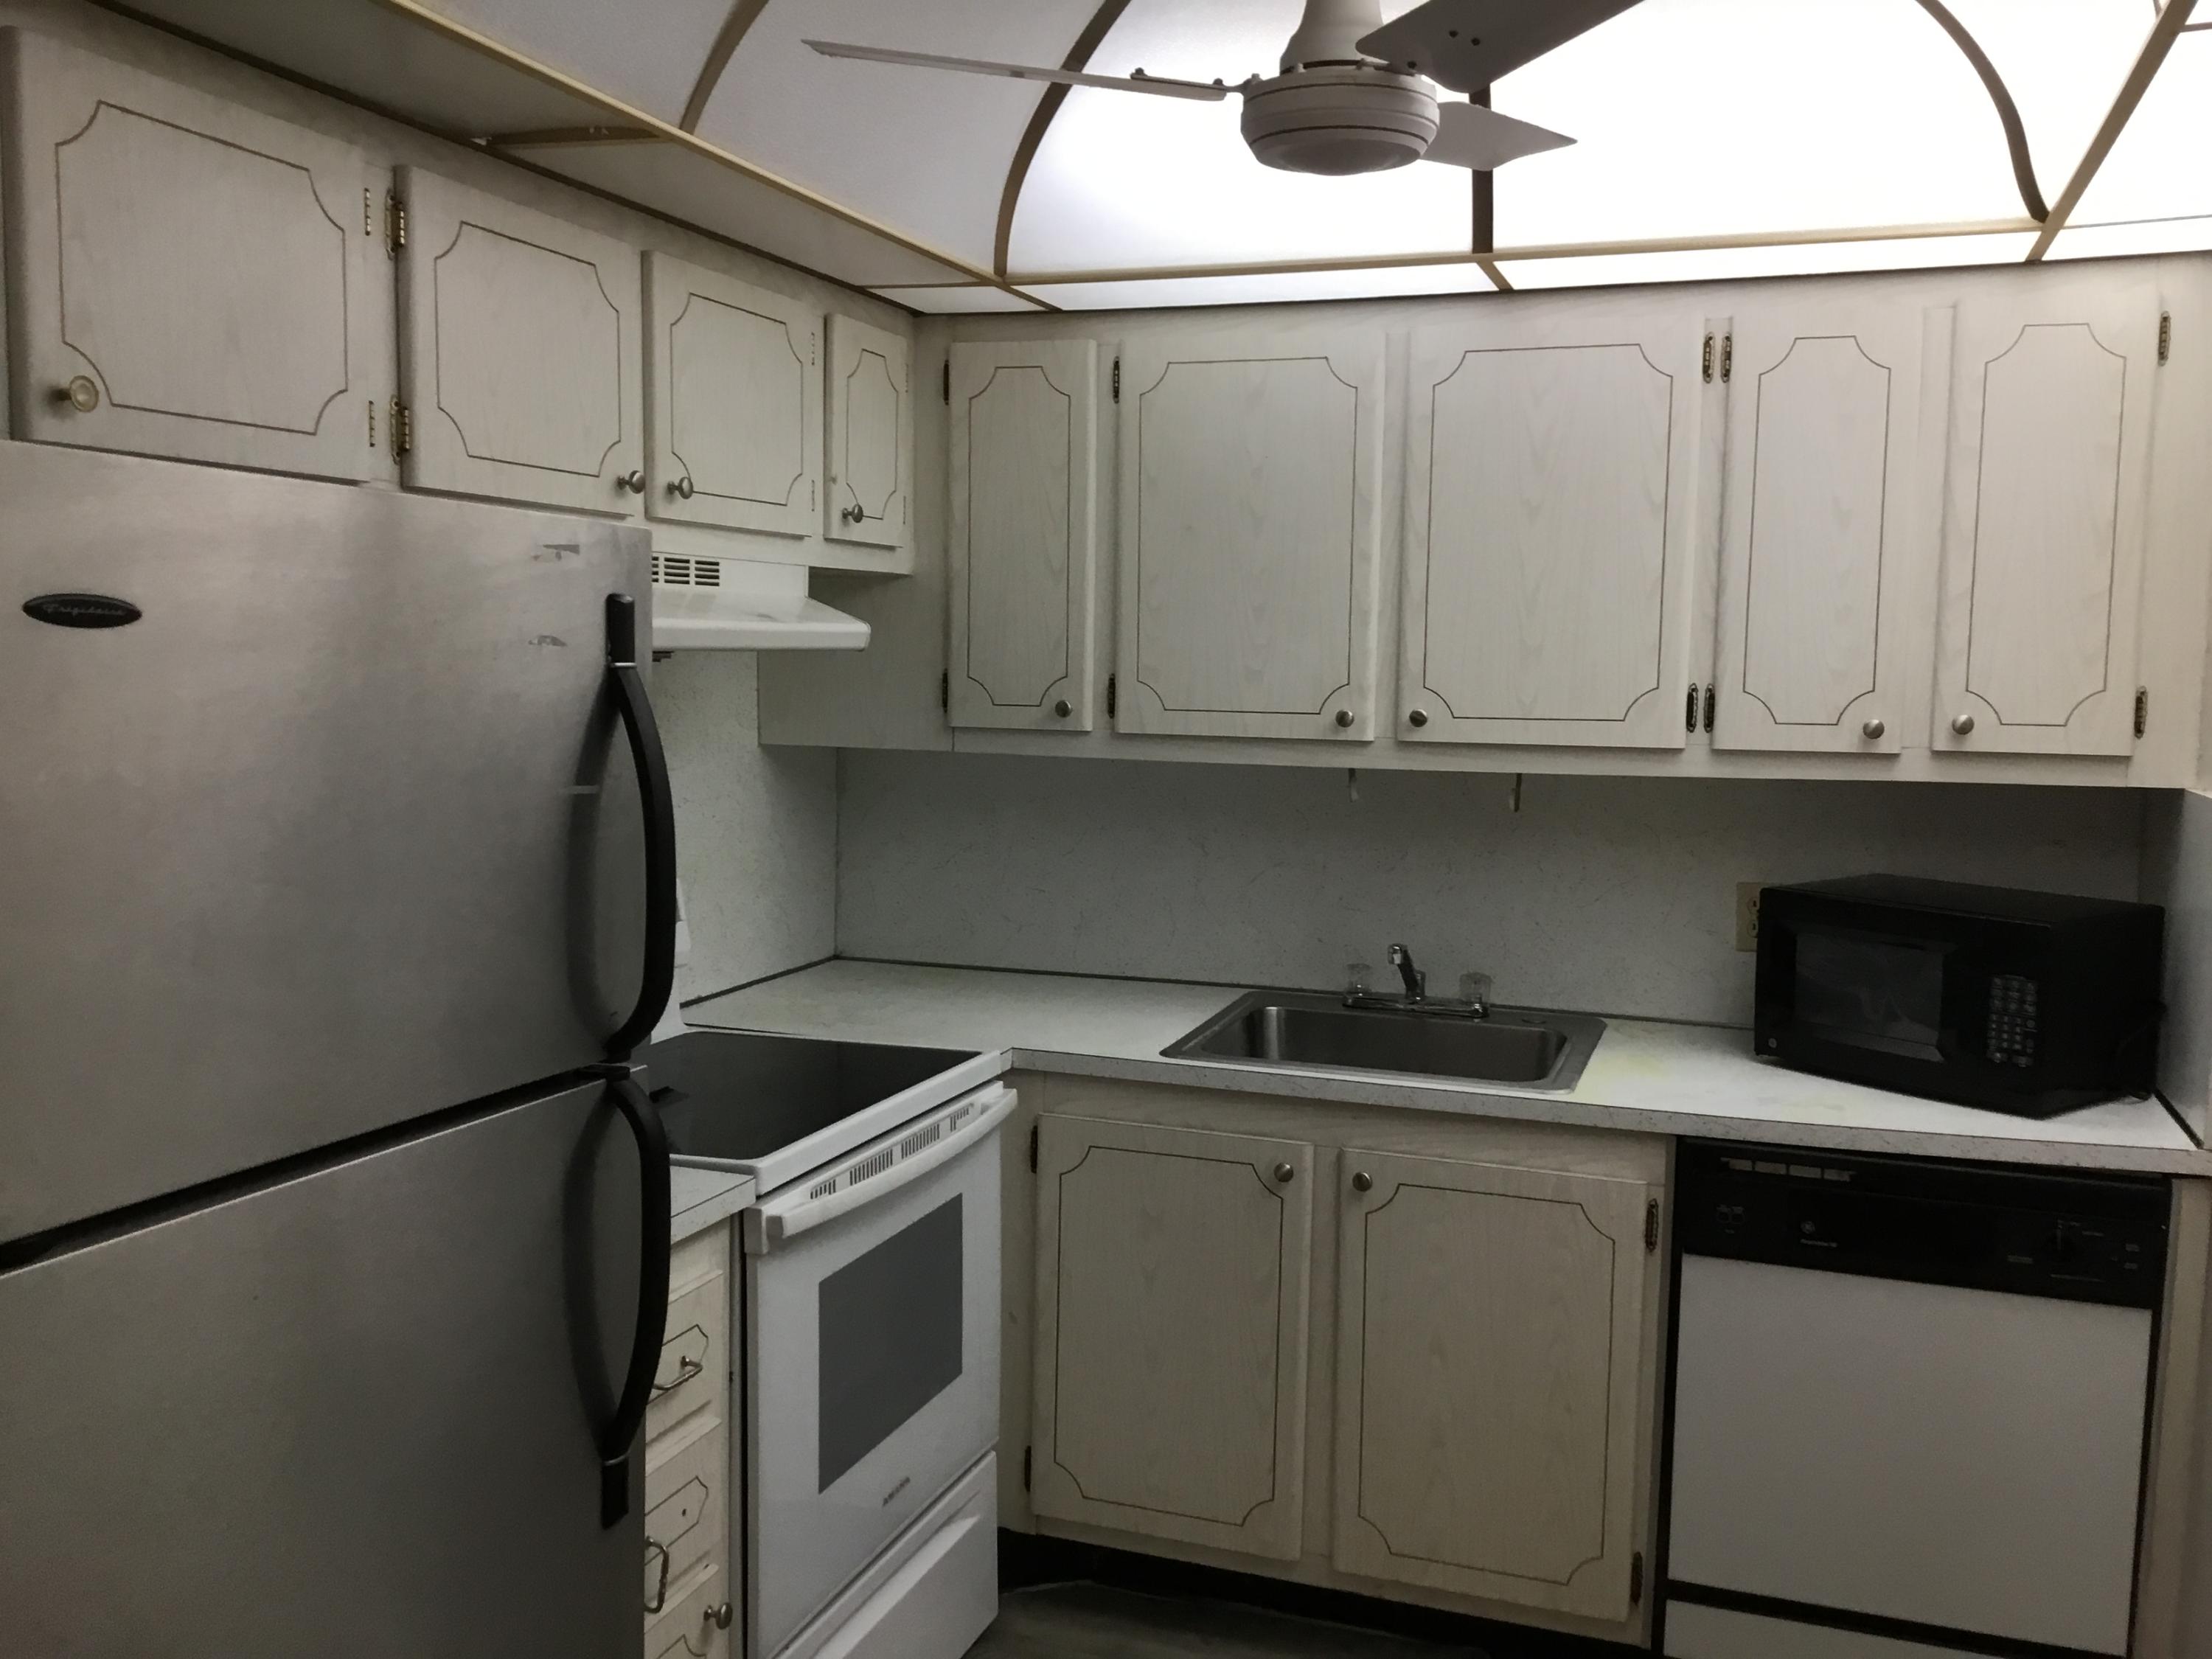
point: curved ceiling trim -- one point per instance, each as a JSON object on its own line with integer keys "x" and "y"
{"x": 2163, "y": 34}
{"x": 2015, "y": 133}
{"x": 1040, "y": 123}
{"x": 743, "y": 16}
{"x": 653, "y": 126}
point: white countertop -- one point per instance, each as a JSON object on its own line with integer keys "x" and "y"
{"x": 698, "y": 1199}
{"x": 1645, "y": 1076}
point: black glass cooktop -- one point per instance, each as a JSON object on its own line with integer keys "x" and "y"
{"x": 741, "y": 1096}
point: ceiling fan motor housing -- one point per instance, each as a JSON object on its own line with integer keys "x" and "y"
{"x": 1339, "y": 120}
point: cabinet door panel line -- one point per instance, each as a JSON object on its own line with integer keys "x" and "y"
{"x": 676, "y": 438}
{"x": 967, "y": 668}
{"x": 868, "y": 355}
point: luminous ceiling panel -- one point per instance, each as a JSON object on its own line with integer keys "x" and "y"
{"x": 1701, "y": 117}
{"x": 924, "y": 150}
{"x": 650, "y": 64}
{"x": 1127, "y": 182}
{"x": 2190, "y": 235}
{"x": 2062, "y": 61}
{"x": 1717, "y": 264}
{"x": 2162, "y": 165}
{"x": 1253, "y": 290}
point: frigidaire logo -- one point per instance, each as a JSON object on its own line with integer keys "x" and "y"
{"x": 81, "y": 611}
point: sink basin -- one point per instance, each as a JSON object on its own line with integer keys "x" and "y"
{"x": 1526, "y": 1047}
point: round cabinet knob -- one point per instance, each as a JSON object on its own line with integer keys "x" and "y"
{"x": 81, "y": 394}
{"x": 853, "y": 513}
{"x": 1344, "y": 717}
{"x": 1362, "y": 1182}
{"x": 719, "y": 1617}
{"x": 681, "y": 488}
{"x": 632, "y": 481}
{"x": 1063, "y": 709}
{"x": 1872, "y": 730}
{"x": 1284, "y": 1172}
{"x": 1418, "y": 717}
{"x": 1962, "y": 724}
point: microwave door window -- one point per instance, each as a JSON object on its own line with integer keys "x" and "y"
{"x": 1871, "y": 993}
{"x": 890, "y": 1324}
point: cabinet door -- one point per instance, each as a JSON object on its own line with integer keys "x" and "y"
{"x": 1490, "y": 1349}
{"x": 1172, "y": 1273}
{"x": 519, "y": 346}
{"x": 187, "y": 278}
{"x": 1551, "y": 527}
{"x": 1250, "y": 536}
{"x": 869, "y": 493}
{"x": 2042, "y": 541}
{"x": 1828, "y": 533}
{"x": 1025, "y": 531}
{"x": 733, "y": 402}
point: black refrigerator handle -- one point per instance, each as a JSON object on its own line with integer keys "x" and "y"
{"x": 628, "y": 1415}
{"x": 659, "y": 804}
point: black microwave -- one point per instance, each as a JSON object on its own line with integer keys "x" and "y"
{"x": 2028, "y": 1003}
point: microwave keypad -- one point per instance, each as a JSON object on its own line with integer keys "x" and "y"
{"x": 2012, "y": 1020}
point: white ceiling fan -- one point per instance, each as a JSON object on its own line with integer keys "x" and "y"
{"x": 1354, "y": 95}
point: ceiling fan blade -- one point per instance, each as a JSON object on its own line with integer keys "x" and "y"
{"x": 1159, "y": 86}
{"x": 1466, "y": 44}
{"x": 1469, "y": 136}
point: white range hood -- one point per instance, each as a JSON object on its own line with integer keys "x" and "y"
{"x": 705, "y": 603}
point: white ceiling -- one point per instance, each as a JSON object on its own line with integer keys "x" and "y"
{"x": 1701, "y": 120}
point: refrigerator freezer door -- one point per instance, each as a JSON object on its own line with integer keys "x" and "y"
{"x": 342, "y": 828}
{"x": 350, "y": 1413}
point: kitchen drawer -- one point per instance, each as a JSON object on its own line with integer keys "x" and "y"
{"x": 698, "y": 1256}
{"x": 698, "y": 1622}
{"x": 695, "y": 1356}
{"x": 687, "y": 1506}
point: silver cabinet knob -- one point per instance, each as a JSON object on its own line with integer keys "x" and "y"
{"x": 1344, "y": 717}
{"x": 1063, "y": 709}
{"x": 633, "y": 481}
{"x": 719, "y": 1617}
{"x": 1362, "y": 1183}
{"x": 1418, "y": 717}
{"x": 1962, "y": 724}
{"x": 853, "y": 513}
{"x": 681, "y": 488}
{"x": 81, "y": 394}
{"x": 1872, "y": 730}
{"x": 1284, "y": 1172}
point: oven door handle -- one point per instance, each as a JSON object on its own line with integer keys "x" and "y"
{"x": 771, "y": 1224}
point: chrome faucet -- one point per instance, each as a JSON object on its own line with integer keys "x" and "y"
{"x": 1472, "y": 1003}
{"x": 1417, "y": 982}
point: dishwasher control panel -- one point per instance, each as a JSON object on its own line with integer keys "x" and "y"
{"x": 2081, "y": 1238}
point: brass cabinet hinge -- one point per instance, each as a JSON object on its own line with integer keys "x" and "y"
{"x": 403, "y": 428}
{"x": 368, "y": 212}
{"x": 1651, "y": 1226}
{"x": 1709, "y": 360}
{"x": 1690, "y": 705}
{"x": 1712, "y": 701}
{"x": 1728, "y": 356}
{"x": 1635, "y": 1579}
{"x": 372, "y": 422}
{"x": 1113, "y": 697}
{"x": 1117, "y": 379}
{"x": 2165, "y": 334}
{"x": 944, "y": 692}
{"x": 948, "y": 382}
{"x": 395, "y": 224}
{"x": 2142, "y": 709}
{"x": 1033, "y": 1148}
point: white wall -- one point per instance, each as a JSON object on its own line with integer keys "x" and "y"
{"x": 755, "y": 828}
{"x": 1605, "y": 894}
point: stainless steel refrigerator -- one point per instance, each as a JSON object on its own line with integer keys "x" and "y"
{"x": 336, "y": 867}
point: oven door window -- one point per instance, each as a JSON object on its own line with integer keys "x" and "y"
{"x": 1870, "y": 992}
{"x": 891, "y": 1326}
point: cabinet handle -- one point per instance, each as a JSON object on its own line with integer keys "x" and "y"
{"x": 853, "y": 513}
{"x": 658, "y": 1599}
{"x": 1962, "y": 724}
{"x": 1284, "y": 1172}
{"x": 686, "y": 1369}
{"x": 719, "y": 1617}
{"x": 1872, "y": 730}
{"x": 1063, "y": 709}
{"x": 1362, "y": 1182}
{"x": 681, "y": 488}
{"x": 633, "y": 481}
{"x": 81, "y": 394}
{"x": 1418, "y": 717}
{"x": 1344, "y": 717}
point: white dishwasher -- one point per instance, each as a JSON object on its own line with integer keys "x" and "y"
{"x": 1909, "y": 1406}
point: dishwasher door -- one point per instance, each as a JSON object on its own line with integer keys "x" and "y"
{"x": 1955, "y": 1459}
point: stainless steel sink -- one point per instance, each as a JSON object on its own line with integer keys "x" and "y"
{"x": 1526, "y": 1048}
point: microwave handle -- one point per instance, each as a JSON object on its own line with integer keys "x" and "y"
{"x": 771, "y": 1224}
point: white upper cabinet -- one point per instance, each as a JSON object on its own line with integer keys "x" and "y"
{"x": 1828, "y": 538}
{"x": 186, "y": 277}
{"x": 1249, "y": 533}
{"x": 870, "y": 476}
{"x": 733, "y": 402}
{"x": 518, "y": 353}
{"x": 1025, "y": 512}
{"x": 2043, "y": 530}
{"x": 1553, "y": 526}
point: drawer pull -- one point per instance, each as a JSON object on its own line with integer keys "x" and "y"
{"x": 720, "y": 1616}
{"x": 658, "y": 1599}
{"x": 686, "y": 1369}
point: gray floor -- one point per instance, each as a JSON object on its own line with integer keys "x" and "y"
{"x": 1087, "y": 1621}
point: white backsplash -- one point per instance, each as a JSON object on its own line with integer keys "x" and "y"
{"x": 755, "y": 828}
{"x": 1614, "y": 895}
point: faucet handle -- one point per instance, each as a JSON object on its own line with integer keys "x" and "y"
{"x": 1475, "y": 989}
{"x": 1356, "y": 976}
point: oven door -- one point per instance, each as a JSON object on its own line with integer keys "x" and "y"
{"x": 871, "y": 1354}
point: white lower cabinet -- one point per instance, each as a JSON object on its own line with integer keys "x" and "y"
{"x": 690, "y": 1595}
{"x": 1488, "y": 1419}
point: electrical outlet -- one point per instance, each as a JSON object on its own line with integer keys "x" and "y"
{"x": 1746, "y": 915}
